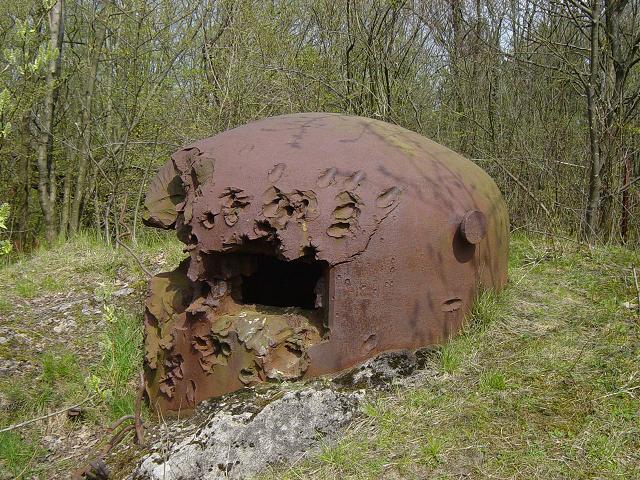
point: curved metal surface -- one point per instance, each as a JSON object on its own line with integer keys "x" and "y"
{"x": 400, "y": 233}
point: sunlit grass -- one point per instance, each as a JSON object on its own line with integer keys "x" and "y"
{"x": 122, "y": 358}
{"x": 106, "y": 384}
{"x": 16, "y": 455}
{"x": 541, "y": 384}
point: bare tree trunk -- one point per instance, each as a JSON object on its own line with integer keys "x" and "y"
{"x": 595, "y": 180}
{"x": 46, "y": 170}
{"x": 66, "y": 200}
{"x": 456, "y": 59}
{"x": 24, "y": 185}
{"x": 96, "y": 204}
{"x": 85, "y": 127}
{"x": 626, "y": 204}
{"x": 615, "y": 159}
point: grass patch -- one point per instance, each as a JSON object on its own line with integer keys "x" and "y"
{"x": 543, "y": 383}
{"x": 26, "y": 288}
{"x": 5, "y": 306}
{"x": 430, "y": 452}
{"x": 84, "y": 260}
{"x": 493, "y": 381}
{"x": 488, "y": 307}
{"x": 16, "y": 455}
{"x": 57, "y": 368}
{"x": 61, "y": 381}
{"x": 72, "y": 367}
{"x": 451, "y": 357}
{"x": 121, "y": 359}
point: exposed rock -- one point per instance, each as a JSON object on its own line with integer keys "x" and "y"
{"x": 65, "y": 325}
{"x": 123, "y": 292}
{"x": 51, "y": 442}
{"x": 9, "y": 367}
{"x": 89, "y": 310}
{"x": 239, "y": 434}
{"x": 63, "y": 307}
{"x": 239, "y": 444}
{"x": 385, "y": 369}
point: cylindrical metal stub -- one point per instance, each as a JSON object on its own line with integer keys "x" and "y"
{"x": 473, "y": 226}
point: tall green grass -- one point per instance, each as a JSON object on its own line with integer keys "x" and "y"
{"x": 121, "y": 359}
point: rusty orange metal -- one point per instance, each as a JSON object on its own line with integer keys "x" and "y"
{"x": 315, "y": 241}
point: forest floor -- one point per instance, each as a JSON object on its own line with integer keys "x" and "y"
{"x": 543, "y": 383}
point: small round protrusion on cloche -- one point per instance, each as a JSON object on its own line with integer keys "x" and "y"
{"x": 473, "y": 226}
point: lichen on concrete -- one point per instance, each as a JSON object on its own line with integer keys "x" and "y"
{"x": 240, "y": 444}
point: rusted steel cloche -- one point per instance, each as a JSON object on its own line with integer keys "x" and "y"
{"x": 315, "y": 241}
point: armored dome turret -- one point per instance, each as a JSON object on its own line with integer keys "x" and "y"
{"x": 315, "y": 241}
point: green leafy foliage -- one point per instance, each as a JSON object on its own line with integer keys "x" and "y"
{"x": 5, "y": 98}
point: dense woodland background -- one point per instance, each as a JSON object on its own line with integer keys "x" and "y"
{"x": 95, "y": 94}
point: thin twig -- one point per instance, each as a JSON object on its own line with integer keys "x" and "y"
{"x": 553, "y": 235}
{"x": 137, "y": 259}
{"x": 578, "y": 357}
{"x": 117, "y": 438}
{"x": 628, "y": 391}
{"x": 43, "y": 417}
{"x": 26, "y": 467}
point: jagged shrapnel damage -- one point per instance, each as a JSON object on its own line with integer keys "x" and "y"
{"x": 315, "y": 241}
